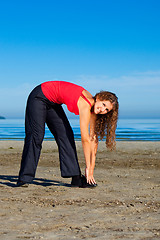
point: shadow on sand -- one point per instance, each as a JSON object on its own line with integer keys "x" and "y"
{"x": 11, "y": 181}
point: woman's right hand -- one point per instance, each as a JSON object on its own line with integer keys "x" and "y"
{"x": 89, "y": 176}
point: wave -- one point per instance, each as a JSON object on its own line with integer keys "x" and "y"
{"x": 127, "y": 130}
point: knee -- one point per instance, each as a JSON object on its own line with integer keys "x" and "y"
{"x": 35, "y": 138}
{"x": 38, "y": 141}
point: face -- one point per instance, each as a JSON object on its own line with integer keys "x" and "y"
{"x": 102, "y": 106}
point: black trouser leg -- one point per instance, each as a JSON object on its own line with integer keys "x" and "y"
{"x": 59, "y": 126}
{"x": 34, "y": 129}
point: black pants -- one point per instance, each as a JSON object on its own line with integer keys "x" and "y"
{"x": 39, "y": 111}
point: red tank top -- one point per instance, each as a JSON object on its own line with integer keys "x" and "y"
{"x": 63, "y": 92}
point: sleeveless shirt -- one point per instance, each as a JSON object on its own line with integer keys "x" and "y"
{"x": 62, "y": 92}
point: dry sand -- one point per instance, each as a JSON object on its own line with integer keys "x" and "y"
{"x": 125, "y": 205}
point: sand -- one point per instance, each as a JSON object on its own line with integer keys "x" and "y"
{"x": 125, "y": 205}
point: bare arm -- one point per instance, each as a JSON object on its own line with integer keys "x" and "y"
{"x": 88, "y": 139}
{"x": 85, "y": 138}
{"x": 93, "y": 142}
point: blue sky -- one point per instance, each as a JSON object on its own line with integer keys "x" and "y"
{"x": 101, "y": 45}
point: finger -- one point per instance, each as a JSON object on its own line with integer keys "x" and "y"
{"x": 88, "y": 180}
{"x": 93, "y": 181}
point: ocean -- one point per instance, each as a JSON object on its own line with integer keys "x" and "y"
{"x": 127, "y": 130}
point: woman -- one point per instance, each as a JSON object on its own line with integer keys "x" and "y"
{"x": 98, "y": 116}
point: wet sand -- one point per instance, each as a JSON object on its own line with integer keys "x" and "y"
{"x": 125, "y": 205}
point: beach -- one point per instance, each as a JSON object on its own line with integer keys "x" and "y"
{"x": 124, "y": 205}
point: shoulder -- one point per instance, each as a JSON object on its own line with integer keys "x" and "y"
{"x": 87, "y": 94}
{"x": 85, "y": 100}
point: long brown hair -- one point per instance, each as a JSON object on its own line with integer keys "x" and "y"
{"x": 106, "y": 123}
